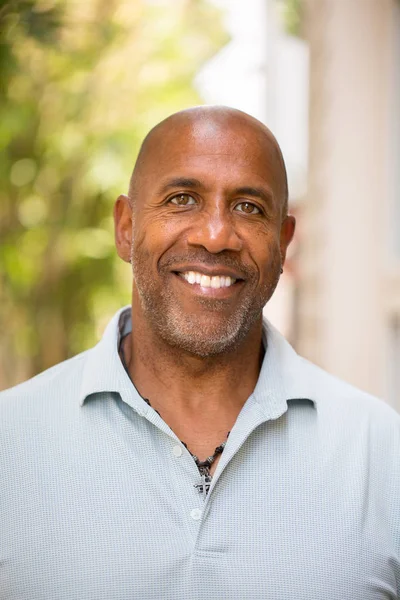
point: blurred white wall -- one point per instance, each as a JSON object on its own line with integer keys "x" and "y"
{"x": 349, "y": 281}
{"x": 236, "y": 76}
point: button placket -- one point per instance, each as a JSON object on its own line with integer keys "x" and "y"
{"x": 193, "y": 514}
{"x": 196, "y": 513}
{"x": 177, "y": 451}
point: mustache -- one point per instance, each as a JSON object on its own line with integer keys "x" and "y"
{"x": 223, "y": 259}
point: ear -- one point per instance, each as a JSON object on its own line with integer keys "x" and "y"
{"x": 123, "y": 227}
{"x": 287, "y": 231}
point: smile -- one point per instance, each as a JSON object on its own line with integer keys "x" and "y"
{"x": 207, "y": 281}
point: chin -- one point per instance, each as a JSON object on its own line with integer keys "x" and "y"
{"x": 204, "y": 348}
{"x": 202, "y": 338}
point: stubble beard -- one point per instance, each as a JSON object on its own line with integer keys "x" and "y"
{"x": 201, "y": 336}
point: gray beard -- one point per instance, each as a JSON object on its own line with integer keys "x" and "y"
{"x": 198, "y": 335}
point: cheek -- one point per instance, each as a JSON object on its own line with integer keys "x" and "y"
{"x": 265, "y": 250}
{"x": 152, "y": 237}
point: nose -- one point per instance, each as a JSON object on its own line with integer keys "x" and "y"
{"x": 215, "y": 231}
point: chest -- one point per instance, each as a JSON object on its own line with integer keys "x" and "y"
{"x": 278, "y": 524}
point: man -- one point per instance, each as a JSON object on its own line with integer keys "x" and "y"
{"x": 192, "y": 454}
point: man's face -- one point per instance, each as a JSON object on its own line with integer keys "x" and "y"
{"x": 207, "y": 242}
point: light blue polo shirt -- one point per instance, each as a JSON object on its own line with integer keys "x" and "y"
{"x": 97, "y": 497}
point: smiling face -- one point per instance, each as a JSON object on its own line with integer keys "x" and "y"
{"x": 208, "y": 236}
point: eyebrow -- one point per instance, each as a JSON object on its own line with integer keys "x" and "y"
{"x": 181, "y": 182}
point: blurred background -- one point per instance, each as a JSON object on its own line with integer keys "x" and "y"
{"x": 82, "y": 82}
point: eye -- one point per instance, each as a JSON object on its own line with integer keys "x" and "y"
{"x": 248, "y": 208}
{"x": 182, "y": 200}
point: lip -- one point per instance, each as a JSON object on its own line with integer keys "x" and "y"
{"x": 213, "y": 271}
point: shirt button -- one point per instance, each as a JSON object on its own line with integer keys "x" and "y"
{"x": 195, "y": 514}
{"x": 177, "y": 451}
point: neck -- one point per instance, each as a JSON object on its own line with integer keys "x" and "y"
{"x": 176, "y": 381}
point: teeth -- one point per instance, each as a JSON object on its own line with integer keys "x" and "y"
{"x": 216, "y": 281}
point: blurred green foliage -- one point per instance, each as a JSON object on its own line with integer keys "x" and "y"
{"x": 291, "y": 15}
{"x": 80, "y": 85}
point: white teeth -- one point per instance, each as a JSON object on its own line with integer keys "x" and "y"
{"x": 216, "y": 281}
{"x": 205, "y": 281}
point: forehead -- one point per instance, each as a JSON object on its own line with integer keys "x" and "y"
{"x": 219, "y": 151}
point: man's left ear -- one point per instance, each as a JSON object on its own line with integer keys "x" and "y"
{"x": 287, "y": 232}
{"x": 123, "y": 227}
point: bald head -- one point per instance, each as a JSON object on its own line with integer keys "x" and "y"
{"x": 210, "y": 122}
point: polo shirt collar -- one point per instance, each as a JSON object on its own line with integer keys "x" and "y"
{"x": 283, "y": 374}
{"x": 103, "y": 370}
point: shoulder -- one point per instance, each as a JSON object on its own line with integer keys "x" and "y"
{"x": 302, "y": 379}
{"x": 339, "y": 405}
{"x": 343, "y": 403}
{"x": 55, "y": 386}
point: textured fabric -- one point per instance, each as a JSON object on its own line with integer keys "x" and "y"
{"x": 97, "y": 495}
